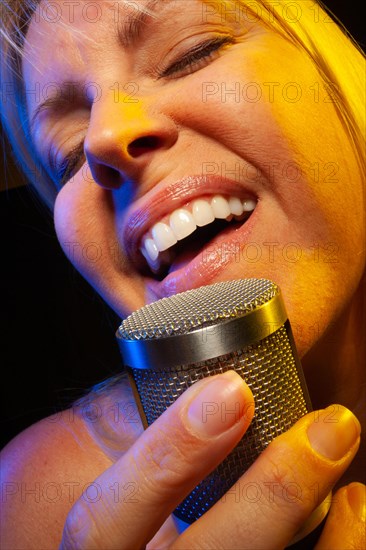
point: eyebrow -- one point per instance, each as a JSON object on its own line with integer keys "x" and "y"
{"x": 129, "y": 32}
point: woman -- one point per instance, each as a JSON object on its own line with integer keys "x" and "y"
{"x": 130, "y": 113}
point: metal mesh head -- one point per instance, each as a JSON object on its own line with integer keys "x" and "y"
{"x": 270, "y": 367}
{"x": 195, "y": 308}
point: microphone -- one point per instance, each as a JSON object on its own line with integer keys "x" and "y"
{"x": 241, "y": 325}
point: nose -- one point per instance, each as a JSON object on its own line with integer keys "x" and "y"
{"x": 123, "y": 138}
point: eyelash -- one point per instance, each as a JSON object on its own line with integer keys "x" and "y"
{"x": 202, "y": 52}
{"x": 68, "y": 164}
{"x": 198, "y": 53}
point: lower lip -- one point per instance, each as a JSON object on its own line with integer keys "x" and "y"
{"x": 208, "y": 265}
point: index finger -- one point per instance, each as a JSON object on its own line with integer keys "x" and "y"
{"x": 169, "y": 459}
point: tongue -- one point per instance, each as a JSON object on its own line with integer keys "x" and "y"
{"x": 182, "y": 260}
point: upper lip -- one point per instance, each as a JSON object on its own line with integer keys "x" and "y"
{"x": 165, "y": 198}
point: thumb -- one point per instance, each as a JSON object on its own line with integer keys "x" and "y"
{"x": 345, "y": 528}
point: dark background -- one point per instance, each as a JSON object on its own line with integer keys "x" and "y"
{"x": 57, "y": 336}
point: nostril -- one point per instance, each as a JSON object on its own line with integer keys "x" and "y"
{"x": 143, "y": 145}
{"x": 107, "y": 177}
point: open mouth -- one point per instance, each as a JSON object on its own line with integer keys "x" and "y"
{"x": 177, "y": 238}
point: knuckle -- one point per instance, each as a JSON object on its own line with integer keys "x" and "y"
{"x": 163, "y": 465}
{"x": 285, "y": 490}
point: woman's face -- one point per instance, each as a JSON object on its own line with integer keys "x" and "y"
{"x": 200, "y": 102}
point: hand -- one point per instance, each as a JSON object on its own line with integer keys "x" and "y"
{"x": 273, "y": 499}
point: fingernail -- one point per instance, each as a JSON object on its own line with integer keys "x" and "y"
{"x": 218, "y": 406}
{"x": 334, "y": 431}
{"x": 356, "y": 493}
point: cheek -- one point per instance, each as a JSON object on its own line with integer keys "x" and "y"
{"x": 83, "y": 226}
{"x": 298, "y": 131}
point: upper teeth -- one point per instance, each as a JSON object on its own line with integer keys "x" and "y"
{"x": 184, "y": 221}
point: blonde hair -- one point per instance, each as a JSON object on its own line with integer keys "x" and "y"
{"x": 336, "y": 55}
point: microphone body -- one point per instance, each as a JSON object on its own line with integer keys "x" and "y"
{"x": 240, "y": 325}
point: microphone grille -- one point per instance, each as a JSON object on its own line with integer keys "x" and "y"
{"x": 166, "y": 348}
{"x": 197, "y": 308}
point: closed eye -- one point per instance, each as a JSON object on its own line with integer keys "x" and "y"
{"x": 196, "y": 58}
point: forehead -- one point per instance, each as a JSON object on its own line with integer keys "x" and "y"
{"x": 76, "y": 42}
{"x": 73, "y": 34}
{"x": 71, "y": 28}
